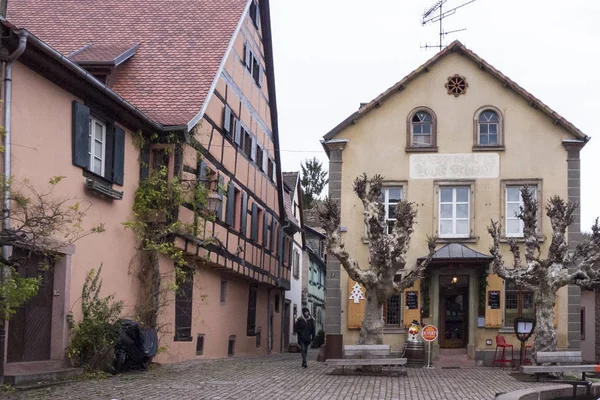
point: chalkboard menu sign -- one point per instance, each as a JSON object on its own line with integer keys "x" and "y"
{"x": 494, "y": 299}
{"x": 412, "y": 300}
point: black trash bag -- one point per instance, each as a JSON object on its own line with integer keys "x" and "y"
{"x": 149, "y": 342}
{"x": 135, "y": 347}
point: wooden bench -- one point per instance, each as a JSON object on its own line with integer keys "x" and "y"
{"x": 366, "y": 355}
{"x": 570, "y": 362}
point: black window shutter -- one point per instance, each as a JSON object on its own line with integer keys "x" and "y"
{"x": 119, "y": 156}
{"x": 202, "y": 176}
{"x": 291, "y": 244}
{"x": 244, "y": 212}
{"x": 251, "y": 326}
{"x": 230, "y": 204}
{"x": 280, "y": 242}
{"x": 109, "y": 154}
{"x": 227, "y": 119}
{"x": 202, "y": 173}
{"x": 81, "y": 134}
{"x": 254, "y": 226}
{"x": 238, "y": 132}
{"x": 273, "y": 234}
{"x": 265, "y": 230}
{"x": 220, "y": 191}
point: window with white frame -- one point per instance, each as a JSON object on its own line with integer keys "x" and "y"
{"x": 514, "y": 202}
{"x": 488, "y": 122}
{"x": 97, "y": 146}
{"x": 390, "y": 197}
{"x": 454, "y": 212}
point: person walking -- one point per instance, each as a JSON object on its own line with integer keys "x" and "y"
{"x": 305, "y": 329}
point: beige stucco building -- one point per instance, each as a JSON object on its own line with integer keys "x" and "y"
{"x": 458, "y": 139}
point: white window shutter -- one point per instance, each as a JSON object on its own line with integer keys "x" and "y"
{"x": 261, "y": 72}
{"x": 227, "y": 119}
{"x": 265, "y": 165}
{"x": 238, "y": 132}
{"x": 248, "y": 55}
{"x": 253, "y": 153}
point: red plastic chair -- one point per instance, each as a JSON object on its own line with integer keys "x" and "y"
{"x": 501, "y": 343}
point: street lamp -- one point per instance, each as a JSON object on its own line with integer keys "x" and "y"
{"x": 213, "y": 202}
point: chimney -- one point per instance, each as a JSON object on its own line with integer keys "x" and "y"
{"x": 3, "y": 6}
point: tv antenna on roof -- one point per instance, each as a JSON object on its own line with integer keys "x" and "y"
{"x": 430, "y": 16}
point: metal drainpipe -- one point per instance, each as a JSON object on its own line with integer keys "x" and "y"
{"x": 6, "y": 250}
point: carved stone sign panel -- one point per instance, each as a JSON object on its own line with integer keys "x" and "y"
{"x": 454, "y": 166}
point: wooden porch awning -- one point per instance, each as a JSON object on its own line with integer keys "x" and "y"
{"x": 456, "y": 252}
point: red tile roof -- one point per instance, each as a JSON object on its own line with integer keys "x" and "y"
{"x": 182, "y": 43}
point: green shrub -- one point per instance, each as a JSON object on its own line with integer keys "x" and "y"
{"x": 93, "y": 338}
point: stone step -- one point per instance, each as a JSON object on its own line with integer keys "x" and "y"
{"x": 453, "y": 351}
{"x": 32, "y": 373}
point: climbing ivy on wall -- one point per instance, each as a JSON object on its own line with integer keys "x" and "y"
{"x": 156, "y": 223}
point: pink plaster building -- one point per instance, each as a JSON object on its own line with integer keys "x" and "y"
{"x": 89, "y": 79}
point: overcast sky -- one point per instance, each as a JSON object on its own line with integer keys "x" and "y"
{"x": 330, "y": 55}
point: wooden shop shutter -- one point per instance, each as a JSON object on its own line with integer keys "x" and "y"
{"x": 413, "y": 314}
{"x": 493, "y": 317}
{"x": 356, "y": 312}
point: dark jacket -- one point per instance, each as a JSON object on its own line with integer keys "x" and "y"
{"x": 305, "y": 329}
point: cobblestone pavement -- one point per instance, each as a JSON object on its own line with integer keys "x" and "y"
{"x": 281, "y": 377}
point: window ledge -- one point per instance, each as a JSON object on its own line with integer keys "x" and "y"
{"x": 183, "y": 339}
{"x": 423, "y": 149}
{"x": 457, "y": 240}
{"x": 518, "y": 239}
{"x": 103, "y": 188}
{"x": 488, "y": 148}
{"x": 504, "y": 329}
{"x": 393, "y": 330}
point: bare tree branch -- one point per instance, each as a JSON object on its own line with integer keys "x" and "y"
{"x": 329, "y": 216}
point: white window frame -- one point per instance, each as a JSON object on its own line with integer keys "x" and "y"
{"x": 488, "y": 123}
{"x": 91, "y": 151}
{"x": 454, "y": 218}
{"x": 508, "y": 217}
{"x": 386, "y": 201}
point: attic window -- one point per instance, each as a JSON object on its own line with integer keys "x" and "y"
{"x": 456, "y": 85}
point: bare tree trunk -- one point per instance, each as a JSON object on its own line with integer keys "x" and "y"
{"x": 545, "y": 336}
{"x": 371, "y": 331}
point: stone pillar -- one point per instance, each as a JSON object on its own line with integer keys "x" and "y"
{"x": 574, "y": 235}
{"x": 333, "y": 316}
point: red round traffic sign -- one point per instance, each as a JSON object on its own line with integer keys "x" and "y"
{"x": 429, "y": 333}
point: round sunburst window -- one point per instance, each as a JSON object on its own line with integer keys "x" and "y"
{"x": 456, "y": 85}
